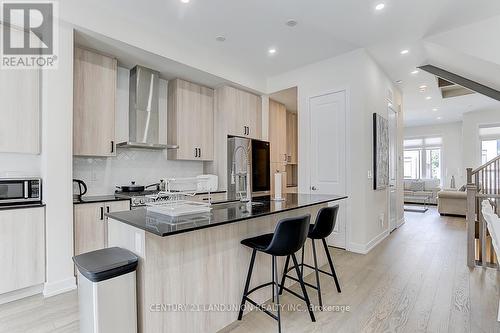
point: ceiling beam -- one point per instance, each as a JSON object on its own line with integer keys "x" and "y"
{"x": 462, "y": 81}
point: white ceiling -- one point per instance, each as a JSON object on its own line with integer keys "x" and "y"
{"x": 325, "y": 29}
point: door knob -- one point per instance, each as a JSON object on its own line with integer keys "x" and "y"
{"x": 314, "y": 188}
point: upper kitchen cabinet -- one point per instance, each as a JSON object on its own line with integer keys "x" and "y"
{"x": 190, "y": 121}
{"x": 20, "y": 124}
{"x": 242, "y": 112}
{"x": 94, "y": 95}
{"x": 277, "y": 132}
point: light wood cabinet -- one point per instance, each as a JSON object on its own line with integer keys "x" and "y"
{"x": 237, "y": 113}
{"x": 94, "y": 92}
{"x": 22, "y": 248}
{"x": 277, "y": 132}
{"x": 242, "y": 112}
{"x": 20, "y": 124}
{"x": 292, "y": 137}
{"x": 90, "y": 224}
{"x": 190, "y": 121}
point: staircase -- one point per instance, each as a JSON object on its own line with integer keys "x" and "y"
{"x": 483, "y": 183}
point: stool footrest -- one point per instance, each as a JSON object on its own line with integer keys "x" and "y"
{"x": 297, "y": 280}
{"x": 294, "y": 293}
{"x": 270, "y": 314}
{"x": 319, "y": 270}
{"x": 259, "y": 287}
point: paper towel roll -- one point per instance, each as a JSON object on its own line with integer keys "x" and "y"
{"x": 277, "y": 186}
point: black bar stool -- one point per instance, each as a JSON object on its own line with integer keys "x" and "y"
{"x": 289, "y": 236}
{"x": 321, "y": 229}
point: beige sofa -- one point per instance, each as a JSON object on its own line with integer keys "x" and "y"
{"x": 452, "y": 202}
{"x": 430, "y": 187}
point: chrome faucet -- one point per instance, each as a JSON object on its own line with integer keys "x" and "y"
{"x": 236, "y": 177}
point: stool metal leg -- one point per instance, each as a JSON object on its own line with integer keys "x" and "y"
{"x": 276, "y": 291}
{"x": 317, "y": 273}
{"x": 331, "y": 265}
{"x": 302, "y": 260}
{"x": 273, "y": 265}
{"x": 247, "y": 284}
{"x": 302, "y": 286}
{"x": 285, "y": 271}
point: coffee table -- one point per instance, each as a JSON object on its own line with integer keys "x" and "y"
{"x": 418, "y": 208}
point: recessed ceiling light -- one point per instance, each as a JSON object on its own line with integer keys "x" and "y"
{"x": 272, "y": 50}
{"x": 185, "y": 1}
{"x": 291, "y": 23}
{"x": 220, "y": 38}
{"x": 422, "y": 87}
{"x": 428, "y": 98}
{"x": 439, "y": 118}
{"x": 380, "y": 6}
{"x": 435, "y": 109}
{"x": 415, "y": 72}
{"x": 403, "y": 52}
{"x": 399, "y": 81}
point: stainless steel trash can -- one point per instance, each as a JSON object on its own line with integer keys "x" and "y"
{"x": 107, "y": 291}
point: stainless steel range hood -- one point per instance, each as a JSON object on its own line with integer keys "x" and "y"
{"x": 144, "y": 123}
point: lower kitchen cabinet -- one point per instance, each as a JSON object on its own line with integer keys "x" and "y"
{"x": 90, "y": 224}
{"x": 22, "y": 248}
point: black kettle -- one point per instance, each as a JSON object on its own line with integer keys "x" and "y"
{"x": 81, "y": 188}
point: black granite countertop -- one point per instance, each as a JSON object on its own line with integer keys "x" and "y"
{"x": 163, "y": 225}
{"x": 97, "y": 198}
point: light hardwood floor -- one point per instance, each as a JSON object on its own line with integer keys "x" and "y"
{"x": 414, "y": 281}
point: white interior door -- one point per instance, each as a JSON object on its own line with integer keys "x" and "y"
{"x": 393, "y": 168}
{"x": 328, "y": 154}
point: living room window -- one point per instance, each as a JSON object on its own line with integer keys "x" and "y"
{"x": 422, "y": 158}
{"x": 490, "y": 142}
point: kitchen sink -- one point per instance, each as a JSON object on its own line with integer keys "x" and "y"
{"x": 236, "y": 204}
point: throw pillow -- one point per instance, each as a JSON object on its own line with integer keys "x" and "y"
{"x": 417, "y": 186}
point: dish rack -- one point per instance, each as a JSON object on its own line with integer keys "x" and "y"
{"x": 174, "y": 200}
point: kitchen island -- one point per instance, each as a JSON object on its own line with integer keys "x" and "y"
{"x": 192, "y": 269}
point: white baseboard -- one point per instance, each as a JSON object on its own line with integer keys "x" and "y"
{"x": 365, "y": 248}
{"x": 21, "y": 293}
{"x": 58, "y": 287}
{"x": 401, "y": 222}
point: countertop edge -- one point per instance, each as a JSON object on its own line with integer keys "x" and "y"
{"x": 26, "y": 206}
{"x": 236, "y": 220}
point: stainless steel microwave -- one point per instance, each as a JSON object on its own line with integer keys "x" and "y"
{"x": 20, "y": 190}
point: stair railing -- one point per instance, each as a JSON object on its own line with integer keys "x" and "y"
{"x": 482, "y": 183}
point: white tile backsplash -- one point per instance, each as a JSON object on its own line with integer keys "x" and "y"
{"x": 142, "y": 166}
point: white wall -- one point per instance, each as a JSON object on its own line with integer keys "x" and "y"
{"x": 451, "y": 153}
{"x": 367, "y": 88}
{"x": 56, "y": 167}
{"x": 470, "y": 134}
{"x": 91, "y": 15}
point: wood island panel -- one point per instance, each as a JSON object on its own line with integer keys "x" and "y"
{"x": 205, "y": 267}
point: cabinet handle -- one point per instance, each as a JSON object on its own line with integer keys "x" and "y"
{"x": 199, "y": 149}
{"x": 248, "y": 130}
{"x": 102, "y": 213}
{"x": 107, "y": 209}
{"x": 112, "y": 146}
{"x": 196, "y": 152}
